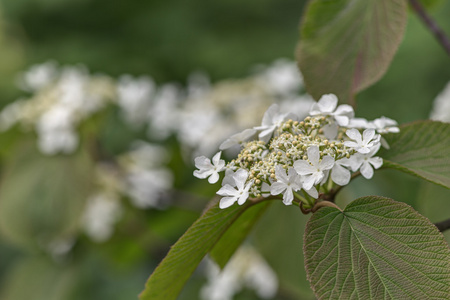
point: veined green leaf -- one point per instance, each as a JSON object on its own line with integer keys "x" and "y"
{"x": 347, "y": 45}
{"x": 183, "y": 258}
{"x": 376, "y": 249}
{"x": 422, "y": 149}
{"x": 236, "y": 234}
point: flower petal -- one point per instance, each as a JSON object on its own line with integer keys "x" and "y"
{"x": 241, "y": 200}
{"x": 354, "y": 134}
{"x": 376, "y": 162}
{"x": 226, "y": 202}
{"x": 366, "y": 170}
{"x": 228, "y": 179}
{"x": 227, "y": 190}
{"x": 240, "y": 177}
{"x": 277, "y": 188}
{"x": 308, "y": 182}
{"x": 326, "y": 163}
{"x": 269, "y": 115}
{"x": 313, "y": 192}
{"x": 213, "y": 178}
{"x": 313, "y": 155}
{"x": 216, "y": 158}
{"x": 202, "y": 174}
{"x": 280, "y": 173}
{"x": 202, "y": 162}
{"x": 368, "y": 135}
{"x": 288, "y": 197}
{"x": 327, "y": 103}
{"x": 344, "y": 110}
{"x": 302, "y": 167}
{"x": 340, "y": 175}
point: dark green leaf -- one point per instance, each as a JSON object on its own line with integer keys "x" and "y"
{"x": 422, "y": 149}
{"x": 183, "y": 258}
{"x": 376, "y": 249}
{"x": 236, "y": 234}
{"x": 347, "y": 45}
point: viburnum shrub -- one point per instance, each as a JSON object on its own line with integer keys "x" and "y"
{"x": 375, "y": 247}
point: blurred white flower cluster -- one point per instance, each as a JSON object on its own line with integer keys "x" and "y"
{"x": 286, "y": 154}
{"x": 200, "y": 116}
{"x": 441, "y": 106}
{"x": 139, "y": 175}
{"x": 61, "y": 99}
{"x": 246, "y": 269}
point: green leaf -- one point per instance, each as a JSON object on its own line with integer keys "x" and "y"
{"x": 347, "y": 45}
{"x": 433, "y": 201}
{"x": 183, "y": 258}
{"x": 422, "y": 149}
{"x": 376, "y": 249}
{"x": 39, "y": 279}
{"x": 42, "y": 198}
{"x": 236, "y": 234}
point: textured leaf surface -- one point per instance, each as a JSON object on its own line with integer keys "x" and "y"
{"x": 183, "y": 258}
{"x": 376, "y": 249}
{"x": 236, "y": 234}
{"x": 347, "y": 45}
{"x": 422, "y": 149}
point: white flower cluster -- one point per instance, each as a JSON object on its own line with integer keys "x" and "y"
{"x": 62, "y": 99}
{"x": 199, "y": 115}
{"x": 246, "y": 269}
{"x": 287, "y": 156}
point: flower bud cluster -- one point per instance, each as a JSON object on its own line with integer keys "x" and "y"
{"x": 298, "y": 159}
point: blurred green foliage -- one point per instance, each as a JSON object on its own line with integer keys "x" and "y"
{"x": 168, "y": 40}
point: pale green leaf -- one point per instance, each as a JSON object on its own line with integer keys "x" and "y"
{"x": 183, "y": 258}
{"x": 347, "y": 45}
{"x": 38, "y": 278}
{"x": 376, "y": 249}
{"x": 236, "y": 234}
{"x": 42, "y": 198}
{"x": 422, "y": 149}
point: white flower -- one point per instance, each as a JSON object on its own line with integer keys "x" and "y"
{"x": 385, "y": 125}
{"x": 206, "y": 168}
{"x": 441, "y": 106}
{"x": 237, "y": 139}
{"x": 231, "y": 194}
{"x": 363, "y": 143}
{"x": 283, "y": 77}
{"x": 101, "y": 213}
{"x": 134, "y": 98}
{"x": 366, "y": 162}
{"x": 327, "y": 106}
{"x": 145, "y": 186}
{"x": 286, "y": 184}
{"x": 272, "y": 120}
{"x": 339, "y": 174}
{"x": 314, "y": 169}
{"x": 359, "y": 123}
{"x": 38, "y": 76}
{"x": 246, "y": 269}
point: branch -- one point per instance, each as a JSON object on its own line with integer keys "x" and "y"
{"x": 431, "y": 24}
{"x": 442, "y": 226}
